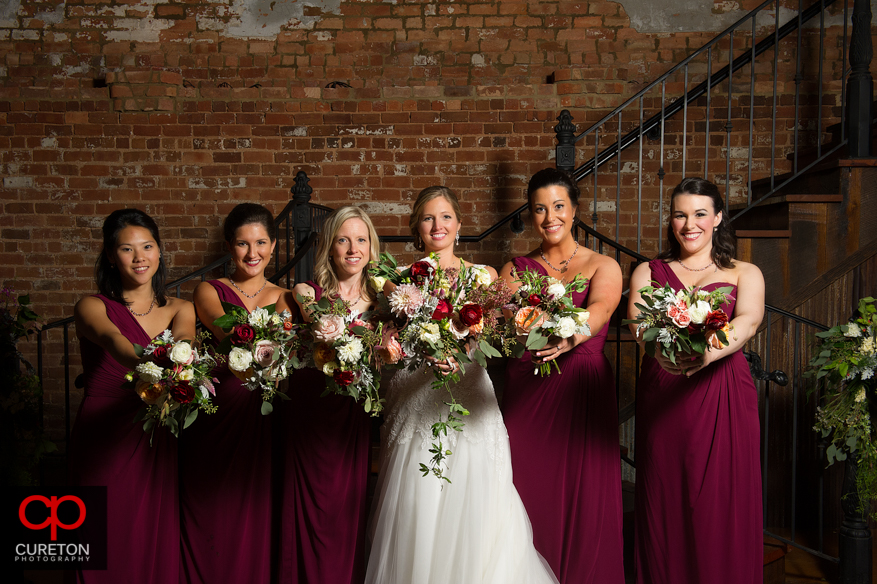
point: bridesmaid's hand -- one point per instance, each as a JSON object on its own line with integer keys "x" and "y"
{"x": 701, "y": 362}
{"x": 686, "y": 365}
{"x": 554, "y": 349}
{"x": 446, "y": 367}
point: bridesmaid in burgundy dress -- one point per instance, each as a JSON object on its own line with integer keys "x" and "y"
{"x": 327, "y": 438}
{"x": 698, "y": 480}
{"x": 225, "y": 458}
{"x": 563, "y": 428}
{"x": 106, "y": 448}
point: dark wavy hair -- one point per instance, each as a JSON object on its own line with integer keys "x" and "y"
{"x": 724, "y": 241}
{"x": 245, "y": 214}
{"x": 548, "y": 177}
{"x": 106, "y": 274}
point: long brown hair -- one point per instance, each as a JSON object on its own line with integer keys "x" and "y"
{"x": 425, "y": 196}
{"x": 724, "y": 241}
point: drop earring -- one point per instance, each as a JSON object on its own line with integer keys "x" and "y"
{"x": 457, "y": 238}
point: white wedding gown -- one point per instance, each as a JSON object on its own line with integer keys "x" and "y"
{"x": 425, "y": 531}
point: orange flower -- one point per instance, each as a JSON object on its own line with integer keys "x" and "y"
{"x": 323, "y": 354}
{"x": 149, "y": 392}
{"x": 528, "y": 318}
{"x": 712, "y": 337}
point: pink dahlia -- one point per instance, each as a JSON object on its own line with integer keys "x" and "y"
{"x": 406, "y": 299}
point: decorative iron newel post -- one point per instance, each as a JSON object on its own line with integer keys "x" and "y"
{"x": 301, "y": 222}
{"x": 860, "y": 87}
{"x": 565, "y": 152}
{"x": 854, "y": 539}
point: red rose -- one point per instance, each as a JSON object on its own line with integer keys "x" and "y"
{"x": 160, "y": 358}
{"x": 471, "y": 314}
{"x": 715, "y": 320}
{"x": 534, "y": 300}
{"x": 443, "y": 310}
{"x": 242, "y": 334}
{"x": 183, "y": 392}
{"x": 420, "y": 271}
{"x": 343, "y": 378}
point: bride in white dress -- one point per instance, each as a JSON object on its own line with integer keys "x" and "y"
{"x": 425, "y": 531}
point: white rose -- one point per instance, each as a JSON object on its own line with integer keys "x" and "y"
{"x": 557, "y": 290}
{"x": 181, "y": 353}
{"x": 259, "y": 318}
{"x": 853, "y": 330}
{"x": 868, "y": 346}
{"x": 861, "y": 395}
{"x": 150, "y": 372}
{"x": 377, "y": 283}
{"x": 329, "y": 368}
{"x": 186, "y": 375}
{"x": 350, "y": 352}
{"x": 481, "y": 276}
{"x": 240, "y": 359}
{"x": 275, "y": 319}
{"x": 581, "y": 317}
{"x": 429, "y": 333}
{"x": 699, "y": 311}
{"x": 566, "y": 327}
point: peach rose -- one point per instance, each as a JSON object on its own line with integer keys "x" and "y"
{"x": 528, "y": 318}
{"x": 328, "y": 328}
{"x": 390, "y": 352}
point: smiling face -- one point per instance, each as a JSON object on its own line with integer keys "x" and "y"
{"x": 251, "y": 249}
{"x": 552, "y": 213}
{"x": 350, "y": 249}
{"x": 438, "y": 225}
{"x": 136, "y": 256}
{"x": 693, "y": 219}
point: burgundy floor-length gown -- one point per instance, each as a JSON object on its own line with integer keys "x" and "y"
{"x": 108, "y": 449}
{"x": 698, "y": 479}
{"x": 563, "y": 432}
{"x": 225, "y": 485}
{"x": 326, "y": 442}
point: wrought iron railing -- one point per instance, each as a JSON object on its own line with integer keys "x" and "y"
{"x": 628, "y": 140}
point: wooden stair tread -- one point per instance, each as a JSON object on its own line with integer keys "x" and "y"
{"x": 816, "y": 198}
{"x": 774, "y": 550}
{"x": 764, "y": 233}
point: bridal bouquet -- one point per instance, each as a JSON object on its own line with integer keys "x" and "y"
{"x": 683, "y": 322}
{"x": 846, "y": 363}
{"x": 449, "y": 315}
{"x": 543, "y": 308}
{"x": 258, "y": 347}
{"x": 348, "y": 350}
{"x": 174, "y": 380}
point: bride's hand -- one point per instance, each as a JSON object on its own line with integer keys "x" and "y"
{"x": 446, "y": 367}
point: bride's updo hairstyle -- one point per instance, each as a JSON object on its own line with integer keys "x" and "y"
{"x": 425, "y": 196}
{"x": 724, "y": 241}
{"x": 549, "y": 177}
{"x": 246, "y": 214}
{"x": 324, "y": 270}
{"x": 106, "y": 274}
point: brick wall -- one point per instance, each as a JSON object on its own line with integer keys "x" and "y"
{"x": 186, "y": 108}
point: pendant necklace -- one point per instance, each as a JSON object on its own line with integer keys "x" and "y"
{"x": 244, "y": 293}
{"x": 564, "y": 264}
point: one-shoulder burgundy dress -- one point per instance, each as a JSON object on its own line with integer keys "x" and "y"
{"x": 326, "y": 442}
{"x": 108, "y": 449}
{"x": 698, "y": 476}
{"x": 563, "y": 431}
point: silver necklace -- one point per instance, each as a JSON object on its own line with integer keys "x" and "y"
{"x": 151, "y": 306}
{"x": 695, "y": 269}
{"x": 565, "y": 264}
{"x": 244, "y": 293}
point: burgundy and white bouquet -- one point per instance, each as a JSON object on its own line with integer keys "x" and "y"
{"x": 174, "y": 380}
{"x": 543, "y": 308}
{"x": 347, "y": 349}
{"x": 684, "y": 322}
{"x": 258, "y": 347}
{"x": 446, "y": 314}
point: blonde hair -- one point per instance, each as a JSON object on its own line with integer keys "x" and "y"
{"x": 425, "y": 196}
{"x": 324, "y": 274}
